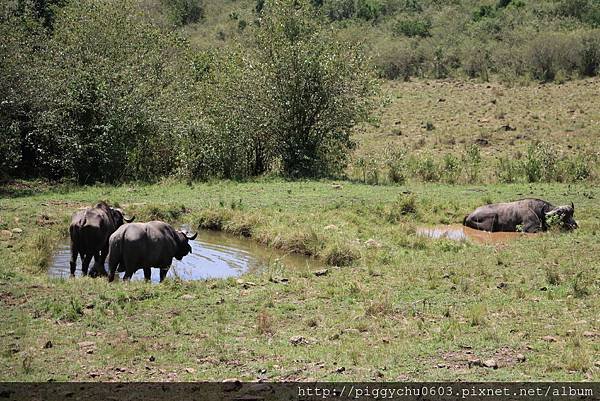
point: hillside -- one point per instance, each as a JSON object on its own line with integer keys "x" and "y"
{"x": 513, "y": 39}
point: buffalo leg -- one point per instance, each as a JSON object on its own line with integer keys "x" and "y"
{"x": 112, "y": 269}
{"x": 147, "y": 274}
{"x": 73, "y": 261}
{"x": 99, "y": 260}
{"x": 163, "y": 274}
{"x": 86, "y": 264}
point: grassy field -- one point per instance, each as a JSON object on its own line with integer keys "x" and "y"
{"x": 463, "y": 111}
{"x": 436, "y": 123}
{"x": 423, "y": 309}
{"x": 391, "y": 306}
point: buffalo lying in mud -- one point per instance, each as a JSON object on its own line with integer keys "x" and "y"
{"x": 526, "y": 215}
{"x": 146, "y": 245}
{"x": 90, "y": 230}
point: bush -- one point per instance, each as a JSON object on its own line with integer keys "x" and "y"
{"x": 316, "y": 89}
{"x": 98, "y": 108}
{"x": 589, "y": 56}
{"x": 412, "y": 27}
{"x": 368, "y": 9}
{"x": 183, "y": 12}
{"x": 398, "y": 60}
{"x": 338, "y": 10}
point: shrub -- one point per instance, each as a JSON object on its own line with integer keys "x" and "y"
{"x": 507, "y": 170}
{"x": 396, "y": 166}
{"x": 426, "y": 169}
{"x": 451, "y": 168}
{"x": 412, "y": 27}
{"x": 98, "y": 108}
{"x": 338, "y": 10}
{"x": 341, "y": 255}
{"x": 398, "y": 60}
{"x": 368, "y": 9}
{"x": 589, "y": 53}
{"x": 183, "y": 12}
{"x": 315, "y": 86}
{"x": 472, "y": 161}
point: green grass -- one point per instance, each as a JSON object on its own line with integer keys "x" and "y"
{"x": 414, "y": 303}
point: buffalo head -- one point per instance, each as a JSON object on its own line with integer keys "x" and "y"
{"x": 119, "y": 217}
{"x": 563, "y": 216}
{"x": 183, "y": 246}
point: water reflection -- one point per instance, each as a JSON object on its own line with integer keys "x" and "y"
{"x": 214, "y": 255}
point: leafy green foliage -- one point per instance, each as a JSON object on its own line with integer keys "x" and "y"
{"x": 183, "y": 12}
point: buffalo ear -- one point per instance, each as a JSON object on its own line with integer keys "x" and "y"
{"x": 192, "y": 237}
{"x": 572, "y": 206}
{"x": 128, "y": 220}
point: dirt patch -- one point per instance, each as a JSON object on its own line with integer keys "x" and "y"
{"x": 10, "y": 300}
{"x": 468, "y": 359}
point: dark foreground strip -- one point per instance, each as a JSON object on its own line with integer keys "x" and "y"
{"x": 237, "y": 391}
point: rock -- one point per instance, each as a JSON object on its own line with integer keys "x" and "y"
{"x": 501, "y": 285}
{"x": 220, "y": 301}
{"x": 474, "y": 362}
{"x": 521, "y": 358}
{"x": 330, "y": 227}
{"x": 589, "y": 334}
{"x": 322, "y": 272}
{"x": 544, "y": 289}
{"x": 441, "y": 365}
{"x": 188, "y": 297}
{"x": 5, "y": 234}
{"x": 298, "y": 340}
{"x": 152, "y": 358}
{"x": 245, "y": 284}
{"x": 484, "y": 120}
{"x": 341, "y": 369}
{"x": 17, "y": 231}
{"x": 482, "y": 142}
{"x": 86, "y": 344}
{"x": 372, "y": 243}
{"x": 190, "y": 370}
{"x": 490, "y": 363}
{"x": 279, "y": 280}
{"x": 48, "y": 344}
{"x": 507, "y": 127}
{"x": 597, "y": 364}
{"x": 549, "y": 339}
{"x": 337, "y": 186}
{"x": 231, "y": 385}
{"x": 89, "y": 351}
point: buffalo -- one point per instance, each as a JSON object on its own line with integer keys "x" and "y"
{"x": 90, "y": 230}
{"x": 526, "y": 215}
{"x": 146, "y": 245}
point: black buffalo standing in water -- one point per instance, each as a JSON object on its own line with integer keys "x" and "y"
{"x": 146, "y": 245}
{"x": 90, "y": 230}
{"x": 526, "y": 215}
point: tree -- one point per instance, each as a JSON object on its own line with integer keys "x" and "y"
{"x": 317, "y": 88}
